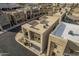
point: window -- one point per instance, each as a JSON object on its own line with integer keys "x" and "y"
{"x": 25, "y": 33}
{"x": 35, "y": 37}
{"x": 20, "y": 21}
{"x": 28, "y": 14}
{"x": 54, "y": 45}
{"x": 6, "y": 26}
{"x": 0, "y": 29}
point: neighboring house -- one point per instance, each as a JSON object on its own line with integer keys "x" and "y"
{"x": 72, "y": 16}
{"x": 4, "y": 21}
{"x": 64, "y": 40}
{"x": 15, "y": 14}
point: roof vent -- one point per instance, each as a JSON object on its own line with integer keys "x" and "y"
{"x": 45, "y": 25}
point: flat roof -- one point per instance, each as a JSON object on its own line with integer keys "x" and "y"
{"x": 67, "y": 31}
{"x": 38, "y": 25}
{"x": 17, "y": 10}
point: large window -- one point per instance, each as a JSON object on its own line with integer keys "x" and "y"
{"x": 52, "y": 47}
{"x": 25, "y": 33}
{"x": 0, "y": 29}
{"x": 28, "y": 14}
{"x": 35, "y": 37}
{"x": 6, "y": 26}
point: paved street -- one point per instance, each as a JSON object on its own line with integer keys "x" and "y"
{"x": 10, "y": 47}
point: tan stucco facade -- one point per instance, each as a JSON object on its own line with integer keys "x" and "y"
{"x": 36, "y": 33}
{"x": 58, "y": 46}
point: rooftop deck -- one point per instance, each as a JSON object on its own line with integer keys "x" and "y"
{"x": 41, "y": 26}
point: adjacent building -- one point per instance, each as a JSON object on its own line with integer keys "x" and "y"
{"x": 64, "y": 40}
{"x": 72, "y": 16}
{"x": 14, "y": 14}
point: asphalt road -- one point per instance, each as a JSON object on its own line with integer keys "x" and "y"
{"x": 10, "y": 47}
